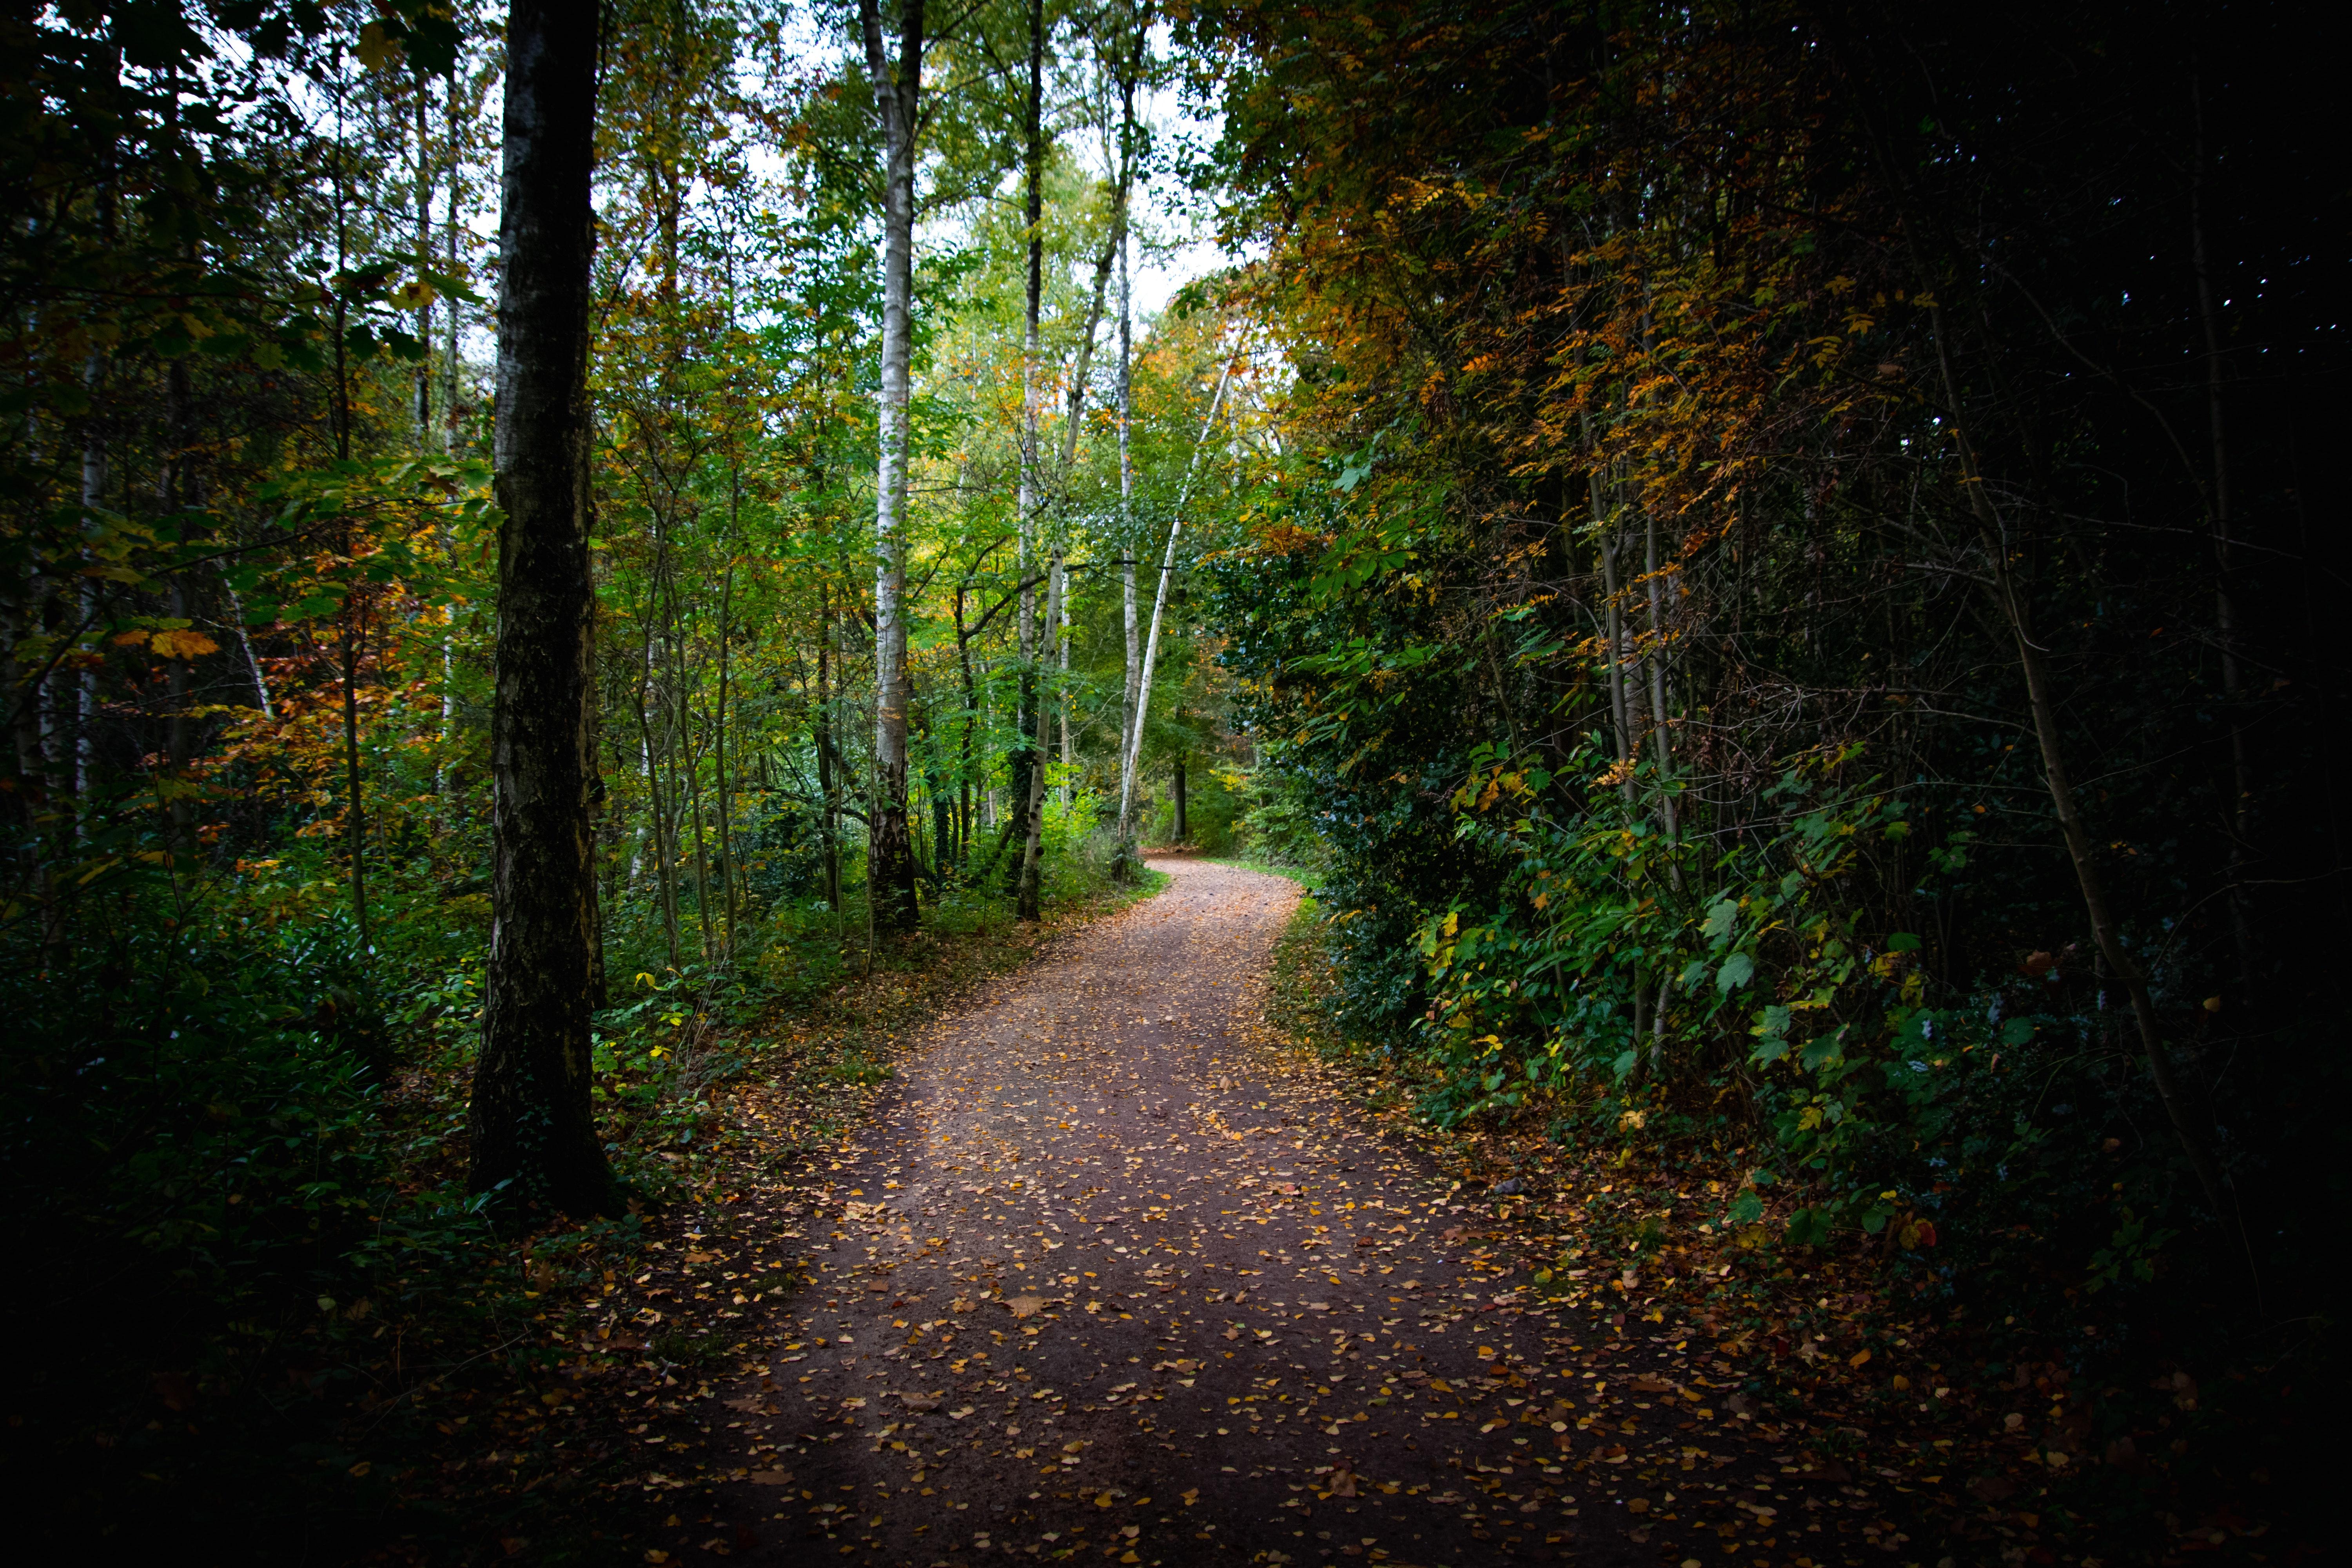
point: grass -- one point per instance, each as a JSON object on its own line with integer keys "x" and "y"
{"x": 1307, "y": 876}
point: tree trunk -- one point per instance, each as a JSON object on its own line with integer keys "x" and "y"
{"x": 1134, "y": 741}
{"x": 723, "y": 801}
{"x": 1182, "y": 829}
{"x": 890, "y": 865}
{"x": 1029, "y": 745}
{"x": 531, "y": 1127}
{"x": 424, "y": 375}
{"x": 830, "y": 815}
{"x": 1033, "y": 855}
{"x": 1127, "y": 552}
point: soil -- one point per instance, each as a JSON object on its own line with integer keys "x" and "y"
{"x": 1116, "y": 1273}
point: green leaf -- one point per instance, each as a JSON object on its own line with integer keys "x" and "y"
{"x": 1721, "y": 917}
{"x": 2016, "y": 1032}
{"x": 1737, "y": 970}
{"x": 1746, "y": 1209}
{"x": 1902, "y": 941}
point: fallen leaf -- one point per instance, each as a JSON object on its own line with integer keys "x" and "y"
{"x": 1025, "y": 1306}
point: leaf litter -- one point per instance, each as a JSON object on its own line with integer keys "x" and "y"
{"x": 1245, "y": 1317}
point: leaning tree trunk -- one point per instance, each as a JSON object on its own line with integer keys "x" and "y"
{"x": 532, "y": 1129}
{"x": 891, "y": 860}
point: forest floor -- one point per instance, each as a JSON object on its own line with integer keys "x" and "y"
{"x": 1121, "y": 1260}
{"x": 1117, "y": 1271}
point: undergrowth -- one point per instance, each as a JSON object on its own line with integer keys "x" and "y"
{"x": 2023, "y": 1418}
{"x": 267, "y": 1311}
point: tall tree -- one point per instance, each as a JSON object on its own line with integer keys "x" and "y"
{"x": 1026, "y": 760}
{"x": 890, "y": 859}
{"x": 530, "y": 1124}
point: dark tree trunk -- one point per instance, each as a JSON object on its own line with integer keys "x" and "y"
{"x": 1183, "y": 830}
{"x": 532, "y": 1129}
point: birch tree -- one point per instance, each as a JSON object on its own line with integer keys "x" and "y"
{"x": 891, "y": 860}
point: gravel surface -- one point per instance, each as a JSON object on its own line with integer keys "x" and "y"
{"x": 1117, "y": 1274}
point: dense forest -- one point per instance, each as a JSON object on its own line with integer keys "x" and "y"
{"x": 1767, "y": 565}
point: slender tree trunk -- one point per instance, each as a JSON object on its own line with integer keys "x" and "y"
{"x": 1134, "y": 749}
{"x": 1031, "y": 900}
{"x": 966, "y": 758}
{"x": 724, "y": 795}
{"x": 1182, "y": 833}
{"x": 1069, "y": 754}
{"x": 827, "y": 782}
{"x": 531, "y": 1127}
{"x": 1613, "y": 618}
{"x": 355, "y": 817}
{"x": 424, "y": 390}
{"x": 657, "y": 803}
{"x": 93, "y": 497}
{"x": 1656, "y": 669}
{"x": 245, "y": 644}
{"x": 690, "y": 754}
{"x": 891, "y": 867}
{"x": 1127, "y": 521}
{"x": 1029, "y": 753}
{"x": 449, "y": 368}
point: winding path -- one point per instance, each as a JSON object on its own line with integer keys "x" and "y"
{"x": 1117, "y": 1276}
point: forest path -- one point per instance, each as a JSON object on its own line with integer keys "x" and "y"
{"x": 1119, "y": 1275}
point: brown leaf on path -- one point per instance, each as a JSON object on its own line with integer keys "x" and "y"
{"x": 1026, "y": 1306}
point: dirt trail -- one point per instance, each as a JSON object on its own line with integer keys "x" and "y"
{"x": 1116, "y": 1275}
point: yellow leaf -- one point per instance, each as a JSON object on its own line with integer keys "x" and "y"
{"x": 1858, "y": 1358}
{"x": 182, "y": 644}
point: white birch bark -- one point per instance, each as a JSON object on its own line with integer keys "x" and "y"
{"x": 889, "y": 866}
{"x": 1133, "y": 748}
